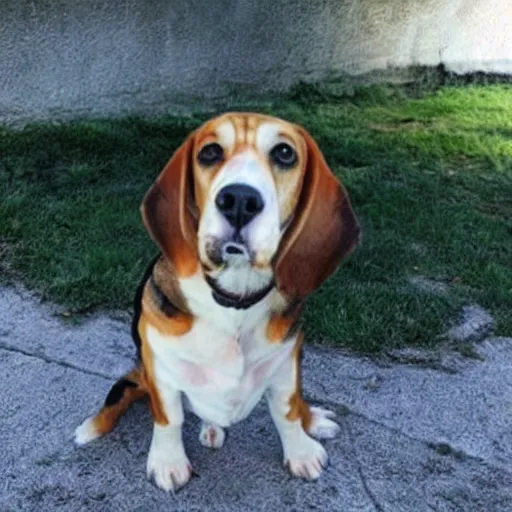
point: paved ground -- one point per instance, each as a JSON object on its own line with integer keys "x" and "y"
{"x": 430, "y": 436}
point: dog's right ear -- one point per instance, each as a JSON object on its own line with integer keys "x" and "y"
{"x": 168, "y": 211}
{"x": 323, "y": 233}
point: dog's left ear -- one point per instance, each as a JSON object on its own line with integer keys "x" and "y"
{"x": 168, "y": 211}
{"x": 324, "y": 231}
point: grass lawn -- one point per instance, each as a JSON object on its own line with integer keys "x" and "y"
{"x": 430, "y": 176}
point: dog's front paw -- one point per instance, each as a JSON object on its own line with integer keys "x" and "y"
{"x": 169, "y": 473}
{"x": 211, "y": 436}
{"x": 322, "y": 426}
{"x": 306, "y": 459}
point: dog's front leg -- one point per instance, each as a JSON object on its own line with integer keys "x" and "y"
{"x": 295, "y": 419}
{"x": 167, "y": 461}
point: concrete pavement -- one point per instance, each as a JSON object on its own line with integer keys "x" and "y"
{"x": 414, "y": 437}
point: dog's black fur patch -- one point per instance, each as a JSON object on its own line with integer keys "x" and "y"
{"x": 137, "y": 305}
{"x": 117, "y": 390}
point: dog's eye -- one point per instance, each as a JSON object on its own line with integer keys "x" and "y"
{"x": 210, "y": 154}
{"x": 284, "y": 155}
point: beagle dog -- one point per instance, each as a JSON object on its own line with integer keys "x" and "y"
{"x": 249, "y": 220}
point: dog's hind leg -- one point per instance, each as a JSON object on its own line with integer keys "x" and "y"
{"x": 122, "y": 394}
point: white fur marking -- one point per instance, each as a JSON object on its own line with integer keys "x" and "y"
{"x": 86, "y": 432}
{"x": 226, "y": 135}
{"x": 243, "y": 280}
{"x": 268, "y": 136}
{"x": 211, "y": 436}
{"x": 167, "y": 462}
{"x": 306, "y": 458}
{"x": 321, "y": 426}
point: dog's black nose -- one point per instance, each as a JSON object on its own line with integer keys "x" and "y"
{"x": 239, "y": 204}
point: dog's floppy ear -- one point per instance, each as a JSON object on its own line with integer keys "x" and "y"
{"x": 168, "y": 211}
{"x": 323, "y": 231}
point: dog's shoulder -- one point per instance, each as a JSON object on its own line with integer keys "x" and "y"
{"x": 159, "y": 297}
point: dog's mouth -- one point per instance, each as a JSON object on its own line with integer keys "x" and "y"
{"x": 235, "y": 253}
{"x": 235, "y": 300}
{"x": 232, "y": 253}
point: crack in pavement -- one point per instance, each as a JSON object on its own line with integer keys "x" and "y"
{"x": 378, "y": 507}
{"x": 49, "y": 360}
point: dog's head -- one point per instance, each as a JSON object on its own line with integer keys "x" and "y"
{"x": 251, "y": 200}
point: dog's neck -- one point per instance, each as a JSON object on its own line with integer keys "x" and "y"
{"x": 240, "y": 286}
{"x": 237, "y": 301}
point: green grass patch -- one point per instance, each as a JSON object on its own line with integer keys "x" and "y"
{"x": 430, "y": 176}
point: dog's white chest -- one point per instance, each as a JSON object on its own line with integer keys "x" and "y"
{"x": 230, "y": 393}
{"x": 222, "y": 365}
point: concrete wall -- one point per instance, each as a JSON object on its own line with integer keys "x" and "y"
{"x": 69, "y": 58}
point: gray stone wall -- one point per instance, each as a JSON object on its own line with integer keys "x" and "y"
{"x": 74, "y": 58}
